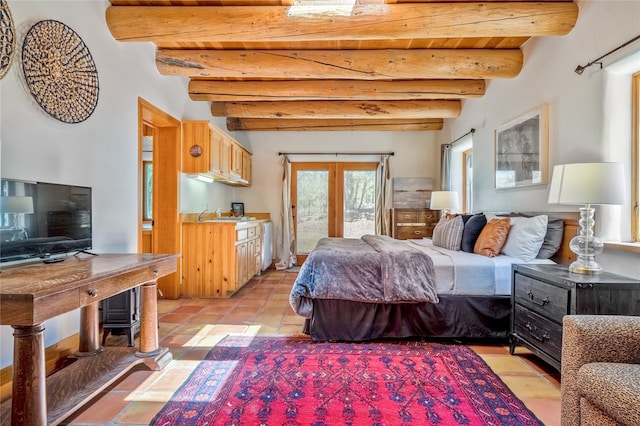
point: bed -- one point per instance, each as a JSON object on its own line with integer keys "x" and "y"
{"x": 377, "y": 287}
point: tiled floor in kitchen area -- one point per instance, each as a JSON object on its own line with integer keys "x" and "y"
{"x": 189, "y": 327}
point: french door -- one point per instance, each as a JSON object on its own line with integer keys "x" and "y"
{"x": 332, "y": 200}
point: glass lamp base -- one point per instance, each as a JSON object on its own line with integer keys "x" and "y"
{"x": 585, "y": 267}
{"x": 586, "y": 246}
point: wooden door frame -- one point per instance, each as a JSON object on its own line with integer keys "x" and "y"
{"x": 166, "y": 163}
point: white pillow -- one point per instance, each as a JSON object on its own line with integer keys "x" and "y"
{"x": 525, "y": 237}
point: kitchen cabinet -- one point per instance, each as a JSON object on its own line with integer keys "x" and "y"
{"x": 209, "y": 151}
{"x": 218, "y": 257}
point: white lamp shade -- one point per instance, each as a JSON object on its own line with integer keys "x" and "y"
{"x": 441, "y": 200}
{"x": 16, "y": 204}
{"x": 587, "y": 183}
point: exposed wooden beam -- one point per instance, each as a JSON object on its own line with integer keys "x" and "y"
{"x": 338, "y": 109}
{"x": 229, "y": 91}
{"x": 287, "y": 124}
{"x": 199, "y": 24}
{"x": 342, "y": 64}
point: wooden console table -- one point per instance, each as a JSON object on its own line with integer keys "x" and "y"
{"x": 33, "y": 293}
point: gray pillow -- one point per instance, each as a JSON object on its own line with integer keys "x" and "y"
{"x": 552, "y": 239}
{"x": 448, "y": 233}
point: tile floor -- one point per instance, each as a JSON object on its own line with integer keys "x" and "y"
{"x": 189, "y": 327}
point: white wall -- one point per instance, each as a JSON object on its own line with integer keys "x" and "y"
{"x": 101, "y": 152}
{"x": 585, "y": 124}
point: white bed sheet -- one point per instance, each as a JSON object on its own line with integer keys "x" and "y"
{"x": 462, "y": 273}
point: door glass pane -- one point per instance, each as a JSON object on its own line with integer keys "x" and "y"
{"x": 312, "y": 209}
{"x": 147, "y": 189}
{"x": 359, "y": 203}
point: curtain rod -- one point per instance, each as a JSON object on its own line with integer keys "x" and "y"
{"x": 580, "y": 68}
{"x": 336, "y": 153}
{"x": 470, "y": 132}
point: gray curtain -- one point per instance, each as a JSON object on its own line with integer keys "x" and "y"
{"x": 285, "y": 238}
{"x": 383, "y": 197}
{"x": 445, "y": 168}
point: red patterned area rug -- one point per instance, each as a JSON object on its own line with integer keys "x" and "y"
{"x": 293, "y": 381}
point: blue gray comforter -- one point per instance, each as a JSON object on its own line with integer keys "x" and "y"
{"x": 374, "y": 269}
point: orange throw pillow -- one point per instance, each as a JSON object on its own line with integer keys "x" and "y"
{"x": 493, "y": 237}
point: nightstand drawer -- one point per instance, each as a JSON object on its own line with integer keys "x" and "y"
{"x": 412, "y": 232}
{"x": 539, "y": 331}
{"x": 549, "y": 300}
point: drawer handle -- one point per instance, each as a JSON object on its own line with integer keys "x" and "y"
{"x": 533, "y": 299}
{"x": 417, "y": 232}
{"x": 545, "y": 336}
{"x": 92, "y": 292}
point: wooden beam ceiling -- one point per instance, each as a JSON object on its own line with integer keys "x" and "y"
{"x": 394, "y": 65}
{"x": 338, "y": 109}
{"x": 289, "y": 124}
{"x": 301, "y": 90}
{"x": 200, "y": 24}
{"x": 342, "y": 64}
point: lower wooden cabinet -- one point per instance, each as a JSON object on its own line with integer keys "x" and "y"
{"x": 218, "y": 257}
{"x": 413, "y": 223}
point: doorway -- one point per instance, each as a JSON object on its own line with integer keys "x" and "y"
{"x": 331, "y": 199}
{"x": 164, "y": 132}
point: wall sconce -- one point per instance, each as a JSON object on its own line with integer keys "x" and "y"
{"x": 587, "y": 183}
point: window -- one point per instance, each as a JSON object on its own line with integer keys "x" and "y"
{"x": 467, "y": 180}
{"x": 461, "y": 169}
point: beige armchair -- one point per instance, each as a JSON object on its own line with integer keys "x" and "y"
{"x": 600, "y": 370}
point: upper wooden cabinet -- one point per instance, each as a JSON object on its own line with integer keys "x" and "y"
{"x": 209, "y": 151}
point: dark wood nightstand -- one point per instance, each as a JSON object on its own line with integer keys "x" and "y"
{"x": 541, "y": 295}
{"x": 414, "y": 223}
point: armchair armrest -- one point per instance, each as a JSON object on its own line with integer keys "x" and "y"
{"x": 593, "y": 338}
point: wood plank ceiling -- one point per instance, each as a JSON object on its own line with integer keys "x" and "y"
{"x": 329, "y": 65}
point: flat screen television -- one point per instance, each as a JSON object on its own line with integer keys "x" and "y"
{"x": 40, "y": 219}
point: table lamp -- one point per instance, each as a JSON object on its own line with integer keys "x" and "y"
{"x": 587, "y": 184}
{"x": 444, "y": 200}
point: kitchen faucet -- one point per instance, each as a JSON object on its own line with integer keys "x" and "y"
{"x": 201, "y": 215}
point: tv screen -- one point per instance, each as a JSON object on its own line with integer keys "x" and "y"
{"x": 39, "y": 219}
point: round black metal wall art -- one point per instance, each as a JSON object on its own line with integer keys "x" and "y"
{"x": 7, "y": 39}
{"x": 60, "y": 72}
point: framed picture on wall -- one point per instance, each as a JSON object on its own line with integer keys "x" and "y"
{"x": 522, "y": 150}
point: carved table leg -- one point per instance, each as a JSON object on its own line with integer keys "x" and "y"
{"x": 29, "y": 398}
{"x": 89, "y": 330}
{"x": 149, "y": 327}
